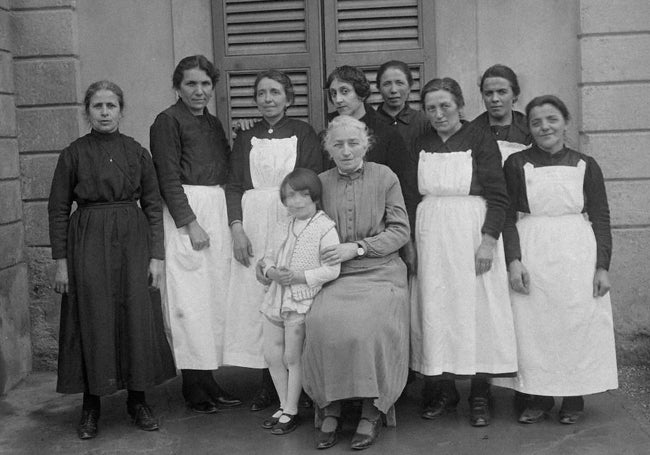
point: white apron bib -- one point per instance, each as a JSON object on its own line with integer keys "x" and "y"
{"x": 461, "y": 323}
{"x": 565, "y": 336}
{"x": 196, "y": 282}
{"x": 265, "y": 223}
{"x": 508, "y": 148}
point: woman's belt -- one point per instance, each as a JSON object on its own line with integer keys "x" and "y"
{"x": 108, "y": 205}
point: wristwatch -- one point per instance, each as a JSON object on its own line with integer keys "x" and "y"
{"x": 361, "y": 252}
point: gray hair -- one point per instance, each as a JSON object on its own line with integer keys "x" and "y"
{"x": 345, "y": 121}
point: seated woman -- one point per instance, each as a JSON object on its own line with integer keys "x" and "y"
{"x": 111, "y": 335}
{"x": 357, "y": 336}
{"x": 558, "y": 262}
{"x": 500, "y": 89}
{"x": 461, "y": 325}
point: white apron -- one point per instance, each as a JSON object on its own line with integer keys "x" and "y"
{"x": 194, "y": 291}
{"x": 565, "y": 337}
{"x": 461, "y": 323}
{"x": 265, "y": 222}
{"x": 508, "y": 148}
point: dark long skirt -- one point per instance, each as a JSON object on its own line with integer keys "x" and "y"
{"x": 111, "y": 333}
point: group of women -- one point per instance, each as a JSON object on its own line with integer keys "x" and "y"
{"x": 419, "y": 193}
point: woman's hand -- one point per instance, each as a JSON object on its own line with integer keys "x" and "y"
{"x": 410, "y": 257}
{"x": 241, "y": 246}
{"x": 335, "y": 254}
{"x": 198, "y": 237}
{"x": 259, "y": 273}
{"x": 61, "y": 276}
{"x": 601, "y": 283}
{"x": 484, "y": 254}
{"x": 519, "y": 277}
{"x": 156, "y": 270}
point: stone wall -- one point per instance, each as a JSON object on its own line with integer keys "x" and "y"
{"x": 46, "y": 79}
{"x": 15, "y": 348}
{"x": 615, "y": 90}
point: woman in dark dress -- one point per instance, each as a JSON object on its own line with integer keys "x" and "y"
{"x": 558, "y": 263}
{"x": 192, "y": 157}
{"x": 500, "y": 90}
{"x": 461, "y": 323}
{"x": 111, "y": 334}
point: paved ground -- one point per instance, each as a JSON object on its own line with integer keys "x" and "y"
{"x": 36, "y": 420}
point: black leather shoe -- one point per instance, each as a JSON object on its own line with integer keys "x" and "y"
{"x": 479, "y": 412}
{"x": 532, "y": 415}
{"x": 327, "y": 439}
{"x": 142, "y": 416}
{"x": 571, "y": 410}
{"x": 536, "y": 409}
{"x": 362, "y": 441}
{"x": 203, "y": 407}
{"x": 439, "y": 406}
{"x": 304, "y": 401}
{"x": 263, "y": 399}
{"x": 570, "y": 417}
{"x": 87, "y": 428}
{"x": 225, "y": 399}
{"x": 281, "y": 428}
{"x": 268, "y": 423}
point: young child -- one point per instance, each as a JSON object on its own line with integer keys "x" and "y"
{"x": 294, "y": 275}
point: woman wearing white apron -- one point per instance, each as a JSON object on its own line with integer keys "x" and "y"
{"x": 500, "y": 90}
{"x": 191, "y": 153}
{"x": 262, "y": 156}
{"x": 558, "y": 262}
{"x": 461, "y": 325}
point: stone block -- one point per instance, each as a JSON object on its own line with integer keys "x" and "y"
{"x": 46, "y": 129}
{"x": 12, "y": 243}
{"x": 36, "y": 223}
{"x": 630, "y": 285}
{"x": 615, "y": 58}
{"x": 620, "y": 155}
{"x": 4, "y": 4}
{"x": 33, "y": 4}
{"x": 5, "y": 31}
{"x": 47, "y": 82}
{"x": 44, "y": 307}
{"x": 15, "y": 345}
{"x": 6, "y": 72}
{"x": 615, "y": 107}
{"x": 50, "y": 32}
{"x": 8, "y": 158}
{"x": 629, "y": 202}
{"x": 7, "y": 116}
{"x": 36, "y": 173}
{"x": 10, "y": 202}
{"x": 606, "y": 16}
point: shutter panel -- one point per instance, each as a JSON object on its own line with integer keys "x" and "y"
{"x": 242, "y": 104}
{"x": 265, "y": 27}
{"x": 369, "y": 25}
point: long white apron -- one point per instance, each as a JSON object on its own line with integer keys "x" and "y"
{"x": 195, "y": 285}
{"x": 565, "y": 336}
{"x": 461, "y": 323}
{"x": 265, "y": 222}
{"x": 507, "y": 148}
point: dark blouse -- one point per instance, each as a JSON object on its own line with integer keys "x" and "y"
{"x": 187, "y": 150}
{"x": 308, "y": 156}
{"x": 516, "y": 132}
{"x": 409, "y": 123}
{"x": 487, "y": 174}
{"x": 387, "y": 148}
{"x": 103, "y": 168}
{"x": 595, "y": 197}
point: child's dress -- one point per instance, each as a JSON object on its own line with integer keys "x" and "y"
{"x": 301, "y": 251}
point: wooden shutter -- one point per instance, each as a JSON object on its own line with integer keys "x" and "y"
{"x": 254, "y": 35}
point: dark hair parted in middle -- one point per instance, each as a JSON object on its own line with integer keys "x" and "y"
{"x": 279, "y": 77}
{"x": 397, "y": 64}
{"x": 553, "y": 100}
{"x": 301, "y": 179}
{"x": 447, "y": 84}
{"x": 502, "y": 71}
{"x": 353, "y": 76}
{"x": 103, "y": 85}
{"x": 194, "y": 61}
